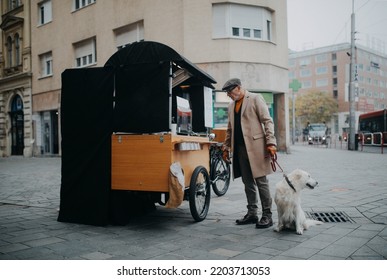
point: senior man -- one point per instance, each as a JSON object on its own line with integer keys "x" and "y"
{"x": 250, "y": 138}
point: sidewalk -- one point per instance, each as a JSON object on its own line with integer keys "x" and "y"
{"x": 353, "y": 183}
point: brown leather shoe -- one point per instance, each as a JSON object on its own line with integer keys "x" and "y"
{"x": 265, "y": 222}
{"x": 247, "y": 219}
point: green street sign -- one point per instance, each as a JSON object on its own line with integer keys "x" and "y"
{"x": 295, "y": 85}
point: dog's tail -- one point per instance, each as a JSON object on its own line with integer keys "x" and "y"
{"x": 309, "y": 222}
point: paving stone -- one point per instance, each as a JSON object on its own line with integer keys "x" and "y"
{"x": 96, "y": 256}
{"x": 225, "y": 252}
{"x": 43, "y": 241}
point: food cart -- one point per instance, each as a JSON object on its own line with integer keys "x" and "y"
{"x": 153, "y": 105}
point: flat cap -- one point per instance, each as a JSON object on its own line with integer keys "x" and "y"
{"x": 231, "y": 84}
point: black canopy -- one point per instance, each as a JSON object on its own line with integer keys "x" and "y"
{"x": 153, "y": 52}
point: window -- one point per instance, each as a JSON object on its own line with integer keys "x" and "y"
{"x": 321, "y": 70}
{"x": 304, "y": 61}
{"x": 243, "y": 21}
{"x": 9, "y": 51}
{"x": 292, "y": 62}
{"x": 17, "y": 49}
{"x": 129, "y": 34}
{"x": 246, "y": 32}
{"x": 306, "y": 84}
{"x": 322, "y": 83}
{"x": 85, "y": 53}
{"x": 45, "y": 64}
{"x": 321, "y": 58}
{"x": 12, "y": 4}
{"x": 305, "y": 73}
{"x": 257, "y": 34}
{"x": 268, "y": 26}
{"x": 79, "y": 4}
{"x": 45, "y": 12}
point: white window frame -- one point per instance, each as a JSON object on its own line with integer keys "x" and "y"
{"x": 322, "y": 83}
{"x": 45, "y": 12}
{"x": 46, "y": 65}
{"x": 321, "y": 58}
{"x": 79, "y": 4}
{"x": 305, "y": 73}
{"x": 304, "y": 61}
{"x": 322, "y": 70}
{"x": 128, "y": 34}
{"x": 231, "y": 20}
{"x": 85, "y": 53}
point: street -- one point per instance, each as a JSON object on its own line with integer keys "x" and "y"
{"x": 350, "y": 182}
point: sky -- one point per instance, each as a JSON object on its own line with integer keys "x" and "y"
{"x": 319, "y": 23}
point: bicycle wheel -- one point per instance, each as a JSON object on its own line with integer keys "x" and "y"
{"x": 199, "y": 193}
{"x": 220, "y": 176}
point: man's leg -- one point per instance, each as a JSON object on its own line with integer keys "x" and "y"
{"x": 250, "y": 188}
{"x": 266, "y": 202}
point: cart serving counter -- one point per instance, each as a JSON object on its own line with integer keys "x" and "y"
{"x": 139, "y": 114}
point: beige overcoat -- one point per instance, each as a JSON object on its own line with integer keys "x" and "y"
{"x": 258, "y": 131}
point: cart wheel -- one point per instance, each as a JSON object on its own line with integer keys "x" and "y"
{"x": 220, "y": 176}
{"x": 199, "y": 193}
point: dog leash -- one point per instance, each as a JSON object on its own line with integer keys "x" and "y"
{"x": 273, "y": 163}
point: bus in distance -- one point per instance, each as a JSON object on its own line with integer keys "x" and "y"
{"x": 373, "y": 128}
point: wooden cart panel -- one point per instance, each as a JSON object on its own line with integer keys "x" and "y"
{"x": 141, "y": 162}
{"x": 220, "y": 134}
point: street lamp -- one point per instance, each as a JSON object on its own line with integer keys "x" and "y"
{"x": 352, "y": 119}
{"x": 295, "y": 85}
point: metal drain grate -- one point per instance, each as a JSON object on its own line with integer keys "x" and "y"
{"x": 330, "y": 217}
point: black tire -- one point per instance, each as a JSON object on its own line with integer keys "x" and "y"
{"x": 220, "y": 176}
{"x": 199, "y": 193}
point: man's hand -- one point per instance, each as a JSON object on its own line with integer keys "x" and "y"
{"x": 272, "y": 150}
{"x": 226, "y": 155}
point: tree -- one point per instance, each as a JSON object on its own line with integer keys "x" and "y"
{"x": 315, "y": 107}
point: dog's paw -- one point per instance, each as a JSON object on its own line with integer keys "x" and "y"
{"x": 278, "y": 228}
{"x": 300, "y": 231}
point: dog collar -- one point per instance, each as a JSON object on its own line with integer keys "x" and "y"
{"x": 289, "y": 183}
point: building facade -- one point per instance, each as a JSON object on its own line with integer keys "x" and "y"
{"x": 327, "y": 70}
{"x": 16, "y": 126}
{"x": 242, "y": 38}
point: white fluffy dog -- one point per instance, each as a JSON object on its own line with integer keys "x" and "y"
{"x": 288, "y": 200}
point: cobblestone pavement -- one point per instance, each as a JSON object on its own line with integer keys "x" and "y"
{"x": 350, "y": 182}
